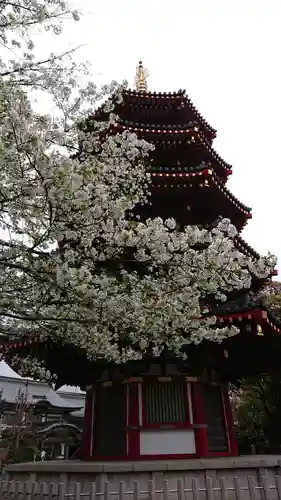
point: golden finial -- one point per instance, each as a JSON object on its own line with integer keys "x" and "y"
{"x": 140, "y": 79}
{"x": 259, "y": 330}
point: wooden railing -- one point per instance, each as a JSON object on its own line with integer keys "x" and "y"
{"x": 224, "y": 489}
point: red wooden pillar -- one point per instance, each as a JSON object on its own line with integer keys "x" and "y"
{"x": 86, "y": 448}
{"x": 229, "y": 423}
{"x": 201, "y": 437}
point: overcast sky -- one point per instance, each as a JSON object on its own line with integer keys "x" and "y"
{"x": 226, "y": 54}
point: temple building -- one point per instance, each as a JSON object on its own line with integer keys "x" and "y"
{"x": 44, "y": 419}
{"x": 162, "y": 408}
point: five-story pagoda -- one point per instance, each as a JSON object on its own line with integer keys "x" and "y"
{"x": 166, "y": 407}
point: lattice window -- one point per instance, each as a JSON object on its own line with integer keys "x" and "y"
{"x": 165, "y": 403}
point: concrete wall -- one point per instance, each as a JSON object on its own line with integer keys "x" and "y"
{"x": 245, "y": 478}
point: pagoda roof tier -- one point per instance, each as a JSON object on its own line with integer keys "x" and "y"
{"x": 256, "y": 349}
{"x": 77, "y": 371}
{"x": 258, "y": 315}
{"x": 177, "y": 170}
{"x": 245, "y": 248}
{"x": 171, "y": 107}
{"x": 249, "y": 251}
{"x": 220, "y": 186}
{"x": 200, "y": 198}
{"x": 191, "y": 147}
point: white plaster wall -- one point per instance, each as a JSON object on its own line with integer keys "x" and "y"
{"x": 167, "y": 442}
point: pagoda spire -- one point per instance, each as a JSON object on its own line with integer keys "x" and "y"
{"x": 141, "y": 78}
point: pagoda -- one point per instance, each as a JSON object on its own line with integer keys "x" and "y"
{"x": 163, "y": 408}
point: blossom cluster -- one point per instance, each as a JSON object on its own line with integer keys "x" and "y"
{"x": 87, "y": 274}
{"x": 30, "y": 366}
{"x": 77, "y": 264}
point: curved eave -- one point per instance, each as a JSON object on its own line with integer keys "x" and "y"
{"x": 245, "y": 248}
{"x": 167, "y": 96}
{"x": 176, "y": 180}
{"x": 164, "y": 98}
{"x": 51, "y": 354}
{"x": 62, "y": 408}
{"x": 21, "y": 343}
{"x": 221, "y": 187}
{"x": 168, "y": 137}
{"x": 253, "y": 351}
{"x": 156, "y": 131}
{"x": 256, "y": 315}
{"x": 259, "y": 317}
{"x": 178, "y": 175}
{"x": 58, "y": 426}
{"x": 179, "y": 128}
{"x": 256, "y": 349}
{"x": 215, "y": 155}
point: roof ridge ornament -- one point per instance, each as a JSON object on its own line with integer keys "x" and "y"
{"x": 141, "y": 78}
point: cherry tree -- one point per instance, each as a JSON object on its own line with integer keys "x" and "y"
{"x": 20, "y": 20}
{"x": 15, "y": 428}
{"x": 75, "y": 266}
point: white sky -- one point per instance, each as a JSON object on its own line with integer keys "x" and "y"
{"x": 226, "y": 54}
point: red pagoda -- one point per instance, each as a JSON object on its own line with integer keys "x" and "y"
{"x": 163, "y": 408}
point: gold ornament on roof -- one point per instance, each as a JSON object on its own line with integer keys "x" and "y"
{"x": 259, "y": 330}
{"x": 140, "y": 78}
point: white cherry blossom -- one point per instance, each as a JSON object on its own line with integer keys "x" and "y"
{"x": 75, "y": 266}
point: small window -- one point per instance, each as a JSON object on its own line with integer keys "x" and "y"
{"x": 165, "y": 403}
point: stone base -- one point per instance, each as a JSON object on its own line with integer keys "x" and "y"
{"x": 125, "y": 480}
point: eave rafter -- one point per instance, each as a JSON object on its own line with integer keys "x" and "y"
{"x": 216, "y": 182}
{"x": 176, "y": 180}
{"x": 164, "y": 98}
{"x": 166, "y": 137}
{"x": 261, "y": 318}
